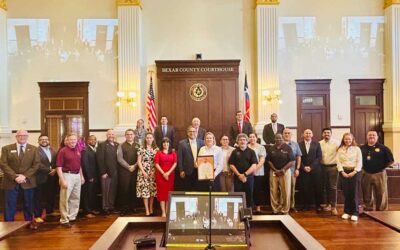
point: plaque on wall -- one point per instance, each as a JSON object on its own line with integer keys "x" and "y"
{"x": 198, "y": 92}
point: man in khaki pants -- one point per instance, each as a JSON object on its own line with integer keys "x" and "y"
{"x": 71, "y": 178}
{"x": 280, "y": 158}
{"x": 376, "y": 158}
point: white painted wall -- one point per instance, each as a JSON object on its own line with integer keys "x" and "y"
{"x": 321, "y": 39}
{"x": 178, "y": 29}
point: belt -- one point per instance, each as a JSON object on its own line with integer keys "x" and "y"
{"x": 71, "y": 172}
{"x": 349, "y": 168}
{"x": 329, "y": 165}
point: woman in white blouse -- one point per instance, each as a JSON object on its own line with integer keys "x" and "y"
{"x": 349, "y": 163}
{"x": 260, "y": 180}
{"x": 211, "y": 149}
{"x": 226, "y": 177}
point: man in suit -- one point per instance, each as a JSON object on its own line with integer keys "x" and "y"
{"x": 188, "y": 150}
{"x": 19, "y": 162}
{"x": 108, "y": 166}
{"x": 201, "y": 132}
{"x": 46, "y": 180}
{"x": 164, "y": 130}
{"x": 240, "y": 126}
{"x": 271, "y": 129}
{"x": 90, "y": 173}
{"x": 310, "y": 175}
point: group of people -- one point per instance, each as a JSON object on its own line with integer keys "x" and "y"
{"x": 146, "y": 165}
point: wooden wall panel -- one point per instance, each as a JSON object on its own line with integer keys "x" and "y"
{"x": 216, "y": 111}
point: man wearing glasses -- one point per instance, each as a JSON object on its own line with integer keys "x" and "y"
{"x": 19, "y": 162}
{"x": 188, "y": 150}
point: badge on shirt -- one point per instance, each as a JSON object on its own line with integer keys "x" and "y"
{"x": 13, "y": 151}
{"x": 377, "y": 150}
{"x": 368, "y": 157}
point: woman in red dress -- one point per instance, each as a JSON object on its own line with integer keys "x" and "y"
{"x": 165, "y": 162}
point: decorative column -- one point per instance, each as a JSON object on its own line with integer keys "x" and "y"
{"x": 5, "y": 130}
{"x": 391, "y": 124}
{"x": 267, "y": 68}
{"x": 129, "y": 63}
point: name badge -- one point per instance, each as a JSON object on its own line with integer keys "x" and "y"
{"x": 377, "y": 150}
{"x": 368, "y": 157}
{"x": 13, "y": 151}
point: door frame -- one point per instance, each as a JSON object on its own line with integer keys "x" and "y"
{"x": 367, "y": 87}
{"x": 79, "y": 89}
{"x": 312, "y": 87}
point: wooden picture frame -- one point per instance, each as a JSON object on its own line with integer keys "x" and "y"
{"x": 205, "y": 167}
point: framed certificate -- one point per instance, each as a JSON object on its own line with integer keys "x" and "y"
{"x": 205, "y": 167}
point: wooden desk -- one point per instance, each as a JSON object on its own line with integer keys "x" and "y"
{"x": 267, "y": 232}
{"x": 388, "y": 218}
{"x": 7, "y": 228}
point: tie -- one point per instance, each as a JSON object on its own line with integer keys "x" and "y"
{"x": 164, "y": 130}
{"x": 21, "y": 152}
{"x": 193, "y": 147}
{"x": 239, "y": 128}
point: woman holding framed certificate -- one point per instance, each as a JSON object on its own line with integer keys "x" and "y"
{"x": 210, "y": 149}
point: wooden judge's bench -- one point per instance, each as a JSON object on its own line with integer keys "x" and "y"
{"x": 267, "y": 232}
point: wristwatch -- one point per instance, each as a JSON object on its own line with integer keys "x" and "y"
{"x": 245, "y": 174}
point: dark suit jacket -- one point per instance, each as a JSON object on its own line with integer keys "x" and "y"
{"x": 12, "y": 165}
{"x": 106, "y": 156}
{"x": 314, "y": 156}
{"x": 185, "y": 156}
{"x": 268, "y": 132}
{"x": 45, "y": 165}
{"x": 233, "y": 132}
{"x": 89, "y": 163}
{"x": 201, "y": 133}
{"x": 158, "y": 135}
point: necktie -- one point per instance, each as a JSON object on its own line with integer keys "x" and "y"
{"x": 164, "y": 130}
{"x": 239, "y": 128}
{"x": 21, "y": 152}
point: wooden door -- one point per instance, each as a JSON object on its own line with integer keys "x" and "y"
{"x": 366, "y": 100}
{"x": 217, "y": 103}
{"x": 313, "y": 106}
{"x": 64, "y": 109}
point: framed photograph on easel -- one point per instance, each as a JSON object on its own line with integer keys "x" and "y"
{"x": 205, "y": 167}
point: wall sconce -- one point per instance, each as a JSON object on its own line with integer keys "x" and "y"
{"x": 271, "y": 96}
{"x": 126, "y": 97}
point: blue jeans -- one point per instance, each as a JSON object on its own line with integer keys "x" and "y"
{"x": 11, "y": 196}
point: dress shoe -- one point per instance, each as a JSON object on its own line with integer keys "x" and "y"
{"x": 95, "y": 212}
{"x": 66, "y": 225}
{"x": 334, "y": 211}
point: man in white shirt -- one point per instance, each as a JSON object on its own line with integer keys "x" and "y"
{"x": 329, "y": 148}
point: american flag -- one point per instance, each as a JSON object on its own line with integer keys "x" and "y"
{"x": 150, "y": 107}
{"x": 247, "y": 100}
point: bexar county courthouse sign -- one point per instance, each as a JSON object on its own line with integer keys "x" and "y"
{"x": 197, "y": 69}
